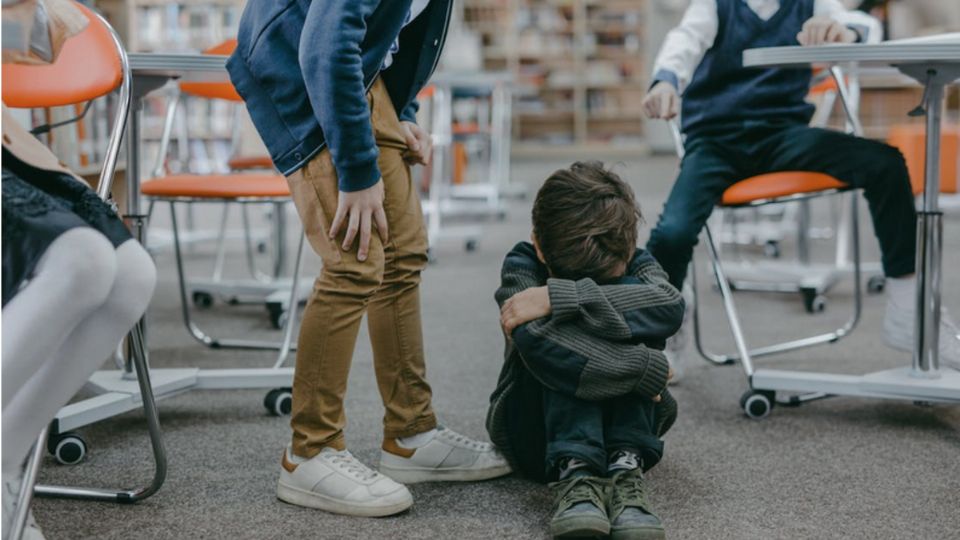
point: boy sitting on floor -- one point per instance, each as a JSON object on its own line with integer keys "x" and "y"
{"x": 582, "y": 395}
{"x": 741, "y": 122}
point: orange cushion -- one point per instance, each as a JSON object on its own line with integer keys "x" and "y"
{"x": 241, "y": 163}
{"x": 217, "y": 186}
{"x": 778, "y": 184}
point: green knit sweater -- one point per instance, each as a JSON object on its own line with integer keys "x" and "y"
{"x": 600, "y": 341}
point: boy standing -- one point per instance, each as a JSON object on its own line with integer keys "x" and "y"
{"x": 330, "y": 86}
{"x": 742, "y": 122}
{"x": 582, "y": 396}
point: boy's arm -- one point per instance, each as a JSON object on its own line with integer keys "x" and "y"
{"x": 685, "y": 45}
{"x": 643, "y": 307}
{"x": 333, "y": 72}
{"x": 521, "y": 270}
{"x": 566, "y": 359}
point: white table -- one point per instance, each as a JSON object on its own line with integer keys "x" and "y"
{"x": 118, "y": 391}
{"x": 933, "y": 65}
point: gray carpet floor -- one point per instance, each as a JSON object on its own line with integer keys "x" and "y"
{"x": 837, "y": 468}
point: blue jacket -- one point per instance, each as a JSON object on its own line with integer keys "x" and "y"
{"x": 304, "y": 67}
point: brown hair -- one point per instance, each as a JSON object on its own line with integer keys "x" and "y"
{"x": 585, "y": 222}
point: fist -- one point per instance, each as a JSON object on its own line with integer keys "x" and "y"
{"x": 661, "y": 101}
{"x": 822, "y": 30}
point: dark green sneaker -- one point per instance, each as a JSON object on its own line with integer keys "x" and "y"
{"x": 631, "y": 517}
{"x": 580, "y": 510}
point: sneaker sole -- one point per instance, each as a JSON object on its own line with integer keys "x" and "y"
{"x": 646, "y": 533}
{"x": 310, "y": 499}
{"x": 417, "y": 475}
{"x": 580, "y": 527}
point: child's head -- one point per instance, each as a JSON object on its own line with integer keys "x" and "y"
{"x": 585, "y": 223}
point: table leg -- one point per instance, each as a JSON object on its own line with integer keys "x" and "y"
{"x": 926, "y": 355}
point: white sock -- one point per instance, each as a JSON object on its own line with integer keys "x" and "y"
{"x": 418, "y": 440}
{"x": 902, "y": 292}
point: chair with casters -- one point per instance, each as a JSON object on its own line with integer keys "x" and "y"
{"x": 250, "y": 185}
{"x": 91, "y": 65}
{"x": 770, "y": 189}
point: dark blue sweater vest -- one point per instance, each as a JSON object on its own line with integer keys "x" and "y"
{"x": 724, "y": 94}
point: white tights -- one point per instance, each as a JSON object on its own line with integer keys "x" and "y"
{"x": 82, "y": 299}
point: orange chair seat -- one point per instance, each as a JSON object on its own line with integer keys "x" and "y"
{"x": 242, "y": 163}
{"x": 217, "y": 186}
{"x": 778, "y": 184}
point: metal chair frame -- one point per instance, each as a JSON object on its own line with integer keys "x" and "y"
{"x": 135, "y": 344}
{"x": 745, "y": 355}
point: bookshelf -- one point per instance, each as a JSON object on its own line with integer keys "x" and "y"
{"x": 579, "y": 67}
{"x": 204, "y": 129}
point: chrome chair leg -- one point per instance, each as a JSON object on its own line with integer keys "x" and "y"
{"x": 292, "y": 306}
{"x": 192, "y": 328}
{"x": 25, "y": 497}
{"x": 732, "y": 317}
{"x": 138, "y": 353}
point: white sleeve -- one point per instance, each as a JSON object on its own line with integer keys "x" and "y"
{"x": 685, "y": 45}
{"x": 867, "y": 26}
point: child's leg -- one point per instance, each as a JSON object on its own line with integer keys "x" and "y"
{"x": 575, "y": 454}
{"x": 875, "y": 167}
{"x": 705, "y": 172}
{"x": 630, "y": 425}
{"x": 574, "y": 429}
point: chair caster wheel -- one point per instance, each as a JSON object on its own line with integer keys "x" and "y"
{"x": 814, "y": 302}
{"x": 202, "y": 299}
{"x": 757, "y": 404}
{"x": 67, "y": 448}
{"x": 278, "y": 315}
{"x": 470, "y": 246}
{"x": 876, "y": 284}
{"x": 771, "y": 248}
{"x": 279, "y": 401}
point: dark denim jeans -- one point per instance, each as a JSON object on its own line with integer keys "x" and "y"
{"x": 715, "y": 161}
{"x": 591, "y": 430}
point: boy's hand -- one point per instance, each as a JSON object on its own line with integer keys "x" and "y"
{"x": 419, "y": 142}
{"x": 821, "y": 30}
{"x": 661, "y": 101}
{"x": 523, "y": 307}
{"x": 659, "y": 397}
{"x": 360, "y": 210}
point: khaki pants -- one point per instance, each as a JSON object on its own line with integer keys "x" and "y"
{"x": 386, "y": 287}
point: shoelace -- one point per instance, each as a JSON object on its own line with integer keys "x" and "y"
{"x": 580, "y": 489}
{"x": 353, "y": 467}
{"x": 629, "y": 490}
{"x": 465, "y": 441}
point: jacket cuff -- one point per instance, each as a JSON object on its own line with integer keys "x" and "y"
{"x": 409, "y": 113}
{"x": 667, "y": 76}
{"x": 862, "y": 31}
{"x": 358, "y": 177}
{"x": 654, "y": 380}
{"x": 564, "y": 301}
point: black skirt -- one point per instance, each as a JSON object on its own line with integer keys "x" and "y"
{"x": 39, "y": 206}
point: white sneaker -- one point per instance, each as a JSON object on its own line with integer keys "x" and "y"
{"x": 445, "y": 456}
{"x": 898, "y": 323}
{"x": 336, "y": 482}
{"x": 678, "y": 345}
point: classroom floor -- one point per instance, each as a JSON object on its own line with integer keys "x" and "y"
{"x": 838, "y": 468}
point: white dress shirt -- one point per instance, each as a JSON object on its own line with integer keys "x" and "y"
{"x": 685, "y": 45}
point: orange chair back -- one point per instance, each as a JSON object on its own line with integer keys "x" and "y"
{"x": 911, "y": 140}
{"x": 214, "y": 90}
{"x": 88, "y": 67}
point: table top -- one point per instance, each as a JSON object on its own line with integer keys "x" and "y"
{"x": 472, "y": 79}
{"x": 888, "y": 53}
{"x": 192, "y": 67}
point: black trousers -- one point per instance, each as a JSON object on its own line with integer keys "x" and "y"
{"x": 716, "y": 160}
{"x": 591, "y": 430}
